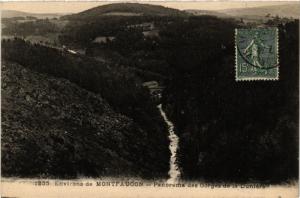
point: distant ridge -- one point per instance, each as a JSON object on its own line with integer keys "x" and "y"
{"x": 14, "y": 13}
{"x": 126, "y": 9}
{"x": 286, "y": 10}
{"x": 207, "y": 12}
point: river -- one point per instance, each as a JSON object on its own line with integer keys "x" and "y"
{"x": 174, "y": 172}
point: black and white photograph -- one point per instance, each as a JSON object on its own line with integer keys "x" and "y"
{"x": 167, "y": 96}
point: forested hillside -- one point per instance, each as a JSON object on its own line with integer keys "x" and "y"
{"x": 228, "y": 130}
{"x": 222, "y": 123}
{"x": 235, "y": 131}
{"x": 119, "y": 87}
{"x": 128, "y": 8}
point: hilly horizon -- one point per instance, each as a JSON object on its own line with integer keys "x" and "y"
{"x": 126, "y": 9}
{"x": 15, "y": 13}
{"x": 207, "y": 12}
{"x": 137, "y": 9}
{"x": 287, "y": 10}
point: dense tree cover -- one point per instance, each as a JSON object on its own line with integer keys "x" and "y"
{"x": 83, "y": 32}
{"x": 118, "y": 85}
{"x": 129, "y": 46}
{"x": 132, "y": 49}
{"x": 229, "y": 131}
{"x": 234, "y": 131}
{"x": 54, "y": 128}
{"x": 32, "y": 27}
{"x": 238, "y": 131}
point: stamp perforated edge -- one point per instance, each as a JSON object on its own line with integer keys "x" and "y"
{"x": 237, "y": 79}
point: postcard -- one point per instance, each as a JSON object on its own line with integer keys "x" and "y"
{"x": 150, "y": 99}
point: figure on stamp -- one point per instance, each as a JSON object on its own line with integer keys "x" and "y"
{"x": 254, "y": 50}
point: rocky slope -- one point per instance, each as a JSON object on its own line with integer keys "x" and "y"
{"x": 51, "y": 127}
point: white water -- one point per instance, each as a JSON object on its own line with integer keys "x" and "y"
{"x": 174, "y": 172}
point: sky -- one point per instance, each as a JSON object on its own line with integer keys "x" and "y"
{"x": 77, "y": 6}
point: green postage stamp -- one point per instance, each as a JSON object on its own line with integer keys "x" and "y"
{"x": 256, "y": 53}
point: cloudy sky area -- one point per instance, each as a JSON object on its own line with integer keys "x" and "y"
{"x": 75, "y": 6}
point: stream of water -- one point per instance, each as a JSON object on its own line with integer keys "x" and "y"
{"x": 174, "y": 172}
